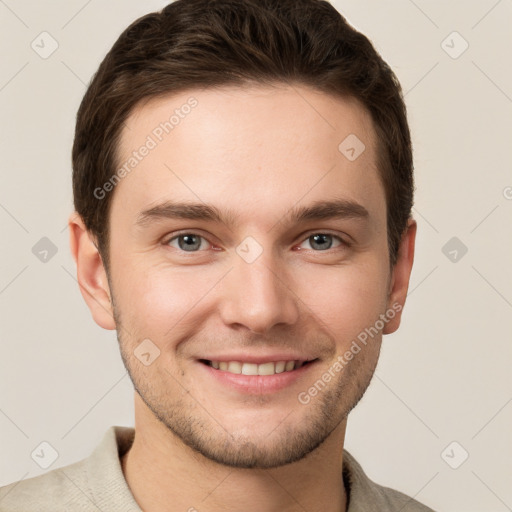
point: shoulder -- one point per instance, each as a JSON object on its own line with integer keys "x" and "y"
{"x": 54, "y": 490}
{"x": 93, "y": 483}
{"x": 366, "y": 495}
{"x": 397, "y": 501}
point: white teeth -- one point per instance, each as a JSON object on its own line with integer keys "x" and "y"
{"x": 289, "y": 366}
{"x": 249, "y": 369}
{"x": 280, "y": 366}
{"x": 269, "y": 368}
{"x": 235, "y": 367}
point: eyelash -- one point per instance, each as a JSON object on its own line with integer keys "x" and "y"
{"x": 343, "y": 243}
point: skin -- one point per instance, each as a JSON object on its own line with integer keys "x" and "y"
{"x": 258, "y": 152}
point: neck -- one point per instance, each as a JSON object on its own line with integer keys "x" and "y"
{"x": 161, "y": 470}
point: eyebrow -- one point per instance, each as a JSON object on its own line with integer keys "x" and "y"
{"x": 319, "y": 210}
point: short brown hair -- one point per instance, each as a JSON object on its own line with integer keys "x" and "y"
{"x": 205, "y": 43}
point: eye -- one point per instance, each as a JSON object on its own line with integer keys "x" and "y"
{"x": 193, "y": 242}
{"x": 323, "y": 241}
{"x": 188, "y": 242}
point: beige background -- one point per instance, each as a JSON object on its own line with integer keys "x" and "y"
{"x": 444, "y": 377}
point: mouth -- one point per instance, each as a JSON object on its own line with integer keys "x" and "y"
{"x": 256, "y": 377}
{"x": 263, "y": 369}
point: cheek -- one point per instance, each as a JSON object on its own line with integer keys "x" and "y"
{"x": 160, "y": 301}
{"x": 347, "y": 299}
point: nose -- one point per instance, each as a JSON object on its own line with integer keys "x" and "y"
{"x": 259, "y": 296}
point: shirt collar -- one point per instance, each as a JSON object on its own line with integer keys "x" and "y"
{"x": 111, "y": 491}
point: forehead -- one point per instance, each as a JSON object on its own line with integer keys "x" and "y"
{"x": 238, "y": 111}
{"x": 248, "y": 148}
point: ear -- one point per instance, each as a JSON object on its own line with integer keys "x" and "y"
{"x": 91, "y": 274}
{"x": 399, "y": 282}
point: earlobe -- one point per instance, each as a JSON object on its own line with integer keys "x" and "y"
{"x": 401, "y": 274}
{"x": 91, "y": 274}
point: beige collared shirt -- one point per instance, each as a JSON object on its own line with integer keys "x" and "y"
{"x": 97, "y": 484}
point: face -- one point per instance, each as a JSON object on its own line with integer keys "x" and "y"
{"x": 244, "y": 237}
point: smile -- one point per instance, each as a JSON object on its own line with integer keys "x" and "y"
{"x": 244, "y": 368}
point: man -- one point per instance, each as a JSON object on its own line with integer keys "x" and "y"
{"x": 243, "y": 191}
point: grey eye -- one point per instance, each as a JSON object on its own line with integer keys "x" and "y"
{"x": 322, "y": 241}
{"x": 188, "y": 242}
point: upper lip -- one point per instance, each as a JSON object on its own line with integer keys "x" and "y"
{"x": 258, "y": 358}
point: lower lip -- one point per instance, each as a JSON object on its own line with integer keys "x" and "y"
{"x": 257, "y": 384}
